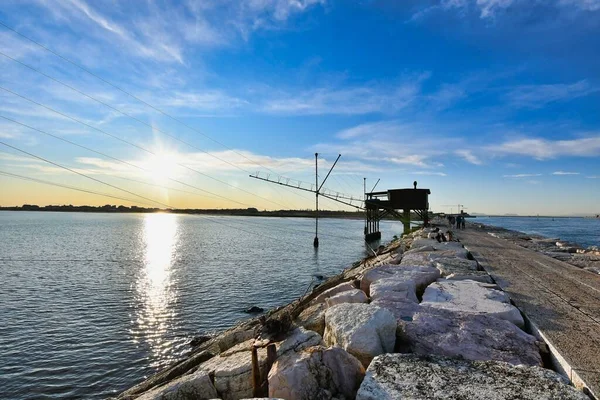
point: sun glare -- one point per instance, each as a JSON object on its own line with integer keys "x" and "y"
{"x": 162, "y": 166}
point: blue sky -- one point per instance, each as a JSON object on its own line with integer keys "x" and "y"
{"x": 493, "y": 104}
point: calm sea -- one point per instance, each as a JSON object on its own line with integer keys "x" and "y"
{"x": 91, "y": 304}
{"x": 583, "y": 231}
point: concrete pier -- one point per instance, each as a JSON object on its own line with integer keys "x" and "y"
{"x": 560, "y": 301}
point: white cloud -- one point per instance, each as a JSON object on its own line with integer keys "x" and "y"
{"x": 536, "y": 96}
{"x": 469, "y": 156}
{"x": 565, "y": 173}
{"x": 542, "y": 149}
{"x": 428, "y": 173}
{"x": 489, "y": 9}
{"x": 587, "y": 5}
{"x": 392, "y": 143}
{"x": 356, "y": 100}
{"x": 211, "y": 100}
{"x": 521, "y": 175}
{"x": 593, "y": 177}
{"x": 166, "y": 33}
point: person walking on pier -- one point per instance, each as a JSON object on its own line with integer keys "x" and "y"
{"x": 462, "y": 222}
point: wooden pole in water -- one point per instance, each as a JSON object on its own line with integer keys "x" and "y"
{"x": 316, "y": 241}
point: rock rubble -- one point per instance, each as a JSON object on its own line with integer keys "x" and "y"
{"x": 417, "y": 296}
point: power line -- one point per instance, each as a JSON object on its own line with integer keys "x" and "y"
{"x": 50, "y": 183}
{"x": 134, "y": 145}
{"x": 148, "y": 125}
{"x": 66, "y": 186}
{"x": 135, "y": 97}
{"x": 116, "y": 187}
{"x": 116, "y": 159}
{"x": 82, "y": 174}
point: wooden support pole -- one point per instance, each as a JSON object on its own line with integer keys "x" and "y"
{"x": 255, "y": 373}
{"x": 406, "y": 221}
{"x": 271, "y": 357}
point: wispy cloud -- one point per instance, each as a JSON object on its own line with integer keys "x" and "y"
{"x": 565, "y": 173}
{"x": 165, "y": 33}
{"x": 357, "y": 100}
{"x": 536, "y": 96}
{"x": 394, "y": 143}
{"x": 428, "y": 173}
{"x": 542, "y": 149}
{"x": 521, "y": 175}
{"x": 490, "y": 9}
{"x": 469, "y": 156}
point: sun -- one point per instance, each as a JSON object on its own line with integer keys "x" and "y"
{"x": 162, "y": 166}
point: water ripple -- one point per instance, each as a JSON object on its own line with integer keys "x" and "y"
{"x": 91, "y": 304}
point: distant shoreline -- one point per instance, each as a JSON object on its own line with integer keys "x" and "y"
{"x": 248, "y": 212}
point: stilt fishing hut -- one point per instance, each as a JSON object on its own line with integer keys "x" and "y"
{"x": 398, "y": 203}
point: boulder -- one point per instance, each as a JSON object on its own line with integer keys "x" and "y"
{"x": 236, "y": 336}
{"x": 419, "y": 258}
{"x": 313, "y": 318}
{"x": 407, "y": 376}
{"x": 438, "y": 246}
{"x": 454, "y": 265}
{"x": 477, "y": 276}
{"x": 194, "y": 386}
{"x": 316, "y": 373}
{"x": 349, "y": 296}
{"x": 363, "y": 330}
{"x": 471, "y": 297}
{"x": 298, "y": 340}
{"x": 420, "y": 275}
{"x": 394, "y": 288}
{"x": 403, "y": 310}
{"x": 232, "y": 369}
{"x": 420, "y": 249}
{"x": 342, "y": 287}
{"x": 471, "y": 336}
{"x": 254, "y": 310}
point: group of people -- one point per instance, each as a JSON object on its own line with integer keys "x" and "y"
{"x": 440, "y": 236}
{"x": 457, "y": 222}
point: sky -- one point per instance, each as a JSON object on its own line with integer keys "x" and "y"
{"x": 491, "y": 104}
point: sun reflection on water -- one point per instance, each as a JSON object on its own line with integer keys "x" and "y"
{"x": 155, "y": 287}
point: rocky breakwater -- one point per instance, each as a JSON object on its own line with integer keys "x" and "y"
{"x": 420, "y": 321}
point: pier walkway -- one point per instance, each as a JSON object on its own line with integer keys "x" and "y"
{"x": 561, "y": 301}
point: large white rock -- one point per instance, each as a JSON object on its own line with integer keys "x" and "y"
{"x": 420, "y": 249}
{"x": 403, "y": 310}
{"x": 419, "y": 258}
{"x": 363, "y": 330}
{"x": 440, "y": 246}
{"x": 454, "y": 265}
{"x": 471, "y": 336}
{"x": 342, "y": 287}
{"x": 299, "y": 339}
{"x": 316, "y": 373}
{"x": 313, "y": 318}
{"x": 194, "y": 386}
{"x": 420, "y": 275}
{"x": 471, "y": 297}
{"x": 232, "y": 369}
{"x": 407, "y": 376}
{"x": 393, "y": 288}
{"x": 349, "y": 296}
{"x": 478, "y": 276}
